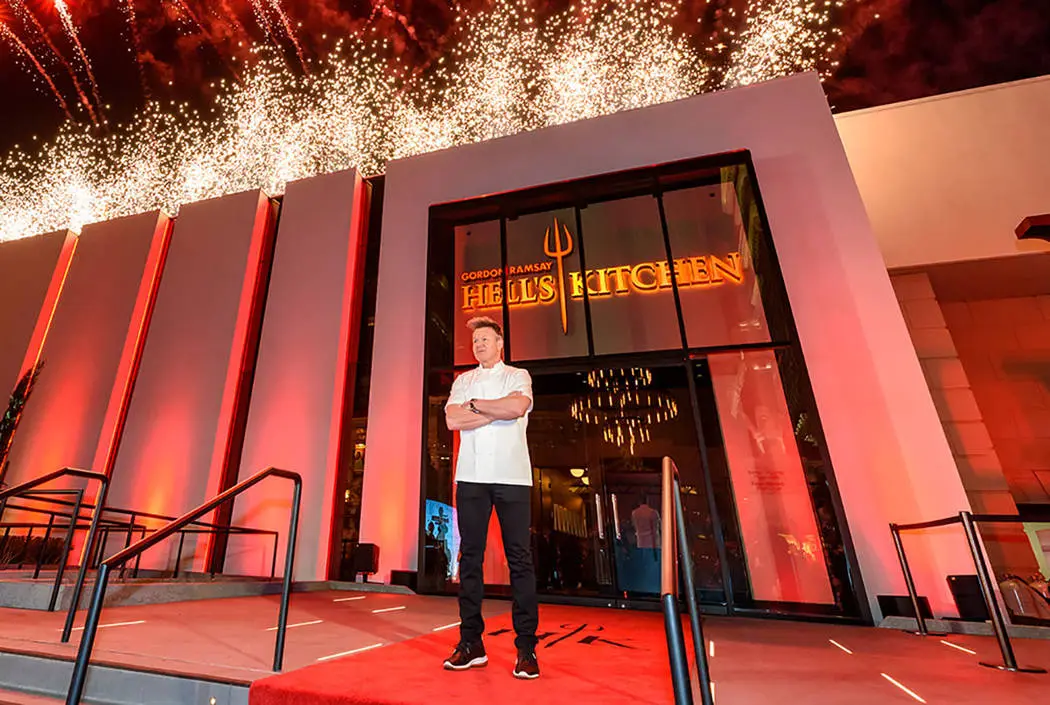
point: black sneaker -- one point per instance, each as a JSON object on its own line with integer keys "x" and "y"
{"x": 467, "y": 656}
{"x": 526, "y": 667}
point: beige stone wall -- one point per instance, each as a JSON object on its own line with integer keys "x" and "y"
{"x": 976, "y": 453}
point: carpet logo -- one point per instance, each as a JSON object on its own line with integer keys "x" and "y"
{"x": 590, "y": 635}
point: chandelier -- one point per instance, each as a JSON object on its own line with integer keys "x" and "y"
{"x": 621, "y": 404}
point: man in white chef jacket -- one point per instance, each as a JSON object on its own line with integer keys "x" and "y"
{"x": 490, "y": 406}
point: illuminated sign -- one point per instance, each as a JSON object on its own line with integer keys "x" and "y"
{"x": 547, "y": 282}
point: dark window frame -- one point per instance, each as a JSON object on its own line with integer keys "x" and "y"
{"x": 655, "y": 181}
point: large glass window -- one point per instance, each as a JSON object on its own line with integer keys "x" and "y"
{"x": 628, "y": 280}
{"x": 721, "y": 301}
{"x": 546, "y": 319}
{"x": 782, "y": 544}
{"x": 477, "y": 281}
{"x": 650, "y": 311}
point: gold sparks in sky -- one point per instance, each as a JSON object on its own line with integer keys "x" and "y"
{"x": 510, "y": 73}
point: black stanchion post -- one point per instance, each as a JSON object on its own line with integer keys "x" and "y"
{"x": 43, "y": 546}
{"x": 178, "y": 555}
{"x": 683, "y": 691}
{"x": 66, "y": 546}
{"x": 87, "y": 640}
{"x": 685, "y": 565}
{"x": 289, "y": 563}
{"x": 998, "y": 622}
{"x": 78, "y": 586}
{"x": 273, "y": 565}
{"x": 909, "y": 582}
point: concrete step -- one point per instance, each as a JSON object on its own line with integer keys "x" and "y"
{"x": 13, "y": 697}
{"x": 956, "y": 626}
{"x": 35, "y": 594}
{"x": 41, "y": 679}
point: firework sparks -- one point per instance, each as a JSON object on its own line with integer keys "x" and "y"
{"x": 27, "y": 15}
{"x": 276, "y": 5}
{"x": 782, "y": 36}
{"x": 136, "y": 44}
{"x": 259, "y": 11}
{"x": 71, "y": 30}
{"x": 188, "y": 12}
{"x": 13, "y": 38}
{"x": 511, "y": 71}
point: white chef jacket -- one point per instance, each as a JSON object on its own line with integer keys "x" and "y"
{"x": 497, "y": 453}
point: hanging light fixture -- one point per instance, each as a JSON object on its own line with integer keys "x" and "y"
{"x": 622, "y": 406}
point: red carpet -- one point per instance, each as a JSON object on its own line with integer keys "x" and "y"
{"x": 586, "y": 656}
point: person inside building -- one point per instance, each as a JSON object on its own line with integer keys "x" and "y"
{"x": 489, "y": 406}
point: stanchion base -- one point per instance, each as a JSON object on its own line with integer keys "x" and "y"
{"x": 1019, "y": 669}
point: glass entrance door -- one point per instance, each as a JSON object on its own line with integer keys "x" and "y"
{"x": 597, "y": 441}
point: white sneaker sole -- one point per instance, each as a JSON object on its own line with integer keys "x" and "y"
{"x": 526, "y": 676}
{"x": 475, "y": 663}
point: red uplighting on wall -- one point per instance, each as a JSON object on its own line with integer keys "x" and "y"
{"x": 47, "y": 311}
{"x": 116, "y": 411}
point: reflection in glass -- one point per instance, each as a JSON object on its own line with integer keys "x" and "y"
{"x": 782, "y": 544}
{"x": 621, "y": 405}
{"x": 718, "y": 288}
{"x": 545, "y": 320}
{"x": 477, "y": 283}
{"x": 628, "y": 282}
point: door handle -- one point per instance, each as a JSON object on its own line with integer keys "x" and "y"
{"x": 601, "y": 519}
{"x": 616, "y": 517}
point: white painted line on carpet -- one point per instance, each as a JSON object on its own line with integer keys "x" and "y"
{"x": 907, "y": 690}
{"x": 348, "y": 599}
{"x": 841, "y": 646}
{"x": 960, "y": 648}
{"x": 348, "y": 653}
{"x": 115, "y": 624}
{"x": 300, "y": 624}
{"x": 711, "y": 648}
{"x": 389, "y": 609}
{"x": 447, "y": 626}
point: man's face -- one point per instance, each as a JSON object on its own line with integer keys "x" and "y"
{"x": 487, "y": 346}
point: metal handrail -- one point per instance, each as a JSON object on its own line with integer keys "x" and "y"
{"x": 675, "y": 563}
{"x": 96, "y": 514}
{"x": 128, "y": 512}
{"x": 87, "y": 641}
{"x": 969, "y": 523}
{"x": 67, "y": 543}
{"x": 111, "y": 525}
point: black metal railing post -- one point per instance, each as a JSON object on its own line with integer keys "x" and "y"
{"x": 909, "y": 582}
{"x": 683, "y": 694}
{"x": 76, "y": 686}
{"x": 43, "y": 546}
{"x": 685, "y": 568}
{"x": 178, "y": 554}
{"x": 96, "y": 515}
{"x": 87, "y": 640}
{"x": 286, "y": 589}
{"x": 273, "y": 563}
{"x": 78, "y": 586}
{"x": 66, "y": 546}
{"x": 1002, "y": 635}
{"x": 25, "y": 549}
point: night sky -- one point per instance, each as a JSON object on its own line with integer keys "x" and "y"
{"x": 891, "y": 50}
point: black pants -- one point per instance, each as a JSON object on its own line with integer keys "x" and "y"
{"x": 474, "y": 503}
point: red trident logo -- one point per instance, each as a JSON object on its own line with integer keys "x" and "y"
{"x": 553, "y": 249}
